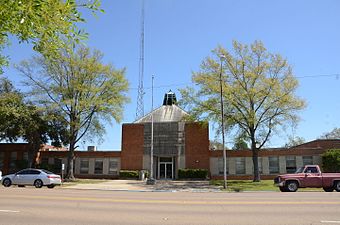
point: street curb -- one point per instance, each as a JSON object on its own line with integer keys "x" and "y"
{"x": 127, "y": 190}
{"x": 141, "y": 190}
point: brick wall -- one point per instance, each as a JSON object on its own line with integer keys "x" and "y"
{"x": 132, "y": 146}
{"x": 7, "y": 149}
{"x": 196, "y": 146}
{"x": 84, "y": 154}
{"x": 265, "y": 152}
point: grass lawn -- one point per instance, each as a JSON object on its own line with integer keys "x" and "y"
{"x": 247, "y": 185}
{"x": 82, "y": 181}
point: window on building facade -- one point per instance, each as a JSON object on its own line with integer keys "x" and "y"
{"x": 240, "y": 165}
{"x": 165, "y": 159}
{"x": 290, "y": 164}
{"x": 25, "y": 156}
{"x": 307, "y": 160}
{"x": 98, "y": 166}
{"x": 2, "y": 156}
{"x": 44, "y": 161}
{"x": 57, "y": 162}
{"x": 12, "y": 163}
{"x": 273, "y": 164}
{"x": 84, "y": 166}
{"x": 220, "y": 166}
{"x": 113, "y": 166}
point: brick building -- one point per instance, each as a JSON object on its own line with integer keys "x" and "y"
{"x": 176, "y": 144}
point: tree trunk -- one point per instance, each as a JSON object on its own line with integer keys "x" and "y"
{"x": 257, "y": 177}
{"x": 33, "y": 149}
{"x": 70, "y": 163}
{"x": 30, "y": 160}
{"x": 255, "y": 151}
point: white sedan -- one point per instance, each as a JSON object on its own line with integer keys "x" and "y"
{"x": 35, "y": 177}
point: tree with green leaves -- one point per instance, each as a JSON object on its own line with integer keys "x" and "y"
{"x": 240, "y": 143}
{"x": 258, "y": 92}
{"x": 21, "y": 119}
{"x": 294, "y": 141}
{"x": 83, "y": 90}
{"x": 331, "y": 161}
{"x": 333, "y": 134}
{"x": 47, "y": 24}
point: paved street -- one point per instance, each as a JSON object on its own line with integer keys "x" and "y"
{"x": 71, "y": 206}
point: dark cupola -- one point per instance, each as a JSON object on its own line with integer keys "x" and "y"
{"x": 169, "y": 98}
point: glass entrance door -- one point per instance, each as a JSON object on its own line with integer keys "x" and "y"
{"x": 165, "y": 168}
{"x": 168, "y": 171}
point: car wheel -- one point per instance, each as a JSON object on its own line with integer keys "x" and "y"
{"x": 7, "y": 182}
{"x": 38, "y": 183}
{"x": 50, "y": 186}
{"x": 292, "y": 186}
{"x": 283, "y": 189}
{"x": 337, "y": 186}
{"x": 328, "y": 189}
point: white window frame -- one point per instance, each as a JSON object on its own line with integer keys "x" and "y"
{"x": 240, "y": 165}
{"x": 95, "y": 166}
{"x": 84, "y": 170}
{"x": 113, "y": 170}
{"x": 277, "y": 166}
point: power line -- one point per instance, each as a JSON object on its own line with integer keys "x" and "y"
{"x": 320, "y": 75}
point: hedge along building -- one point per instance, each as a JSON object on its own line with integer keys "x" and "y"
{"x": 177, "y": 145}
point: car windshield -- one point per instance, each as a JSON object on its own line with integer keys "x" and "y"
{"x": 300, "y": 170}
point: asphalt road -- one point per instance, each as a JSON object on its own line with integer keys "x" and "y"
{"x": 58, "y": 206}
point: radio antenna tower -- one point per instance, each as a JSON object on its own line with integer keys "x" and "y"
{"x": 140, "y": 97}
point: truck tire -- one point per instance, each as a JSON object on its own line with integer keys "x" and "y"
{"x": 337, "y": 186}
{"x": 292, "y": 186}
{"x": 283, "y": 189}
{"x": 328, "y": 189}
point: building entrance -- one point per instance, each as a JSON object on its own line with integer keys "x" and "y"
{"x": 165, "y": 168}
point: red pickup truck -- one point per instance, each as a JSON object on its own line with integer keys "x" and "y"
{"x": 309, "y": 176}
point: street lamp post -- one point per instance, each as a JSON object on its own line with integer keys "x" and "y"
{"x": 222, "y": 126}
{"x": 151, "y": 149}
{"x": 151, "y": 179}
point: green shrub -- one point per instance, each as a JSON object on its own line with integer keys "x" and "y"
{"x": 21, "y": 164}
{"x": 192, "y": 173}
{"x": 54, "y": 168}
{"x": 129, "y": 174}
{"x": 331, "y": 160}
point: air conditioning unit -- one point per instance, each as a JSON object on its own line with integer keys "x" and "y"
{"x": 91, "y": 148}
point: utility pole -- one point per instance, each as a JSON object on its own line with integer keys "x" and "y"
{"x": 222, "y": 57}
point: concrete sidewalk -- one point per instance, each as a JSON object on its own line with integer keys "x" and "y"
{"x": 136, "y": 185}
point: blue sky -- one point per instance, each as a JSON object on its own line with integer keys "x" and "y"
{"x": 179, "y": 34}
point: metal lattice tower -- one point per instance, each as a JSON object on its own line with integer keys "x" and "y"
{"x": 140, "y": 97}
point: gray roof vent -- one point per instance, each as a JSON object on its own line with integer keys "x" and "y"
{"x": 169, "y": 98}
